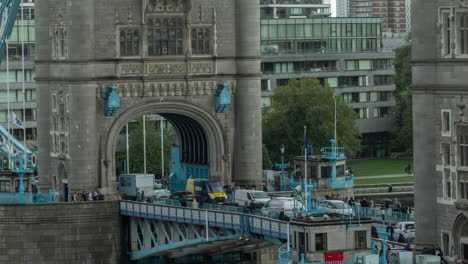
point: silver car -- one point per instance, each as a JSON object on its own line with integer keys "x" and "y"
{"x": 334, "y": 207}
{"x": 290, "y": 206}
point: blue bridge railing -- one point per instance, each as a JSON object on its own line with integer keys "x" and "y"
{"x": 232, "y": 220}
{"x": 209, "y": 206}
{"x": 27, "y": 197}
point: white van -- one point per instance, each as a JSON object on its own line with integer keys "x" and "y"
{"x": 258, "y": 197}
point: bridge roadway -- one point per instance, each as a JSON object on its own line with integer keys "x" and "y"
{"x": 174, "y": 231}
{"x": 165, "y": 229}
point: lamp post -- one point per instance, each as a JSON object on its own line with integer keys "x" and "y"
{"x": 282, "y": 166}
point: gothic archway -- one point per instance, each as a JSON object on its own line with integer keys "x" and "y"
{"x": 62, "y": 182}
{"x": 183, "y": 116}
{"x": 460, "y": 235}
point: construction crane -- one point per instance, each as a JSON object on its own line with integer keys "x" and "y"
{"x": 21, "y": 160}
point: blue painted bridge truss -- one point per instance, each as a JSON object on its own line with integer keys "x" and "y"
{"x": 158, "y": 230}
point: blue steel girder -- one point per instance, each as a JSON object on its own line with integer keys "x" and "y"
{"x": 170, "y": 227}
{"x": 150, "y": 244}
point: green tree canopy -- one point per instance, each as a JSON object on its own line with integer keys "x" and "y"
{"x": 302, "y": 103}
{"x": 402, "y": 133}
{"x": 153, "y": 147}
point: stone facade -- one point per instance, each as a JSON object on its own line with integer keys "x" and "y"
{"x": 86, "y": 232}
{"x": 85, "y": 46}
{"x": 440, "y": 121}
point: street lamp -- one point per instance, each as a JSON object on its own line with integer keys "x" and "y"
{"x": 282, "y": 166}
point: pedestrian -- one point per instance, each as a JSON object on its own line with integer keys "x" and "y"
{"x": 390, "y": 188}
{"x": 75, "y": 197}
{"x": 194, "y": 203}
{"x": 409, "y": 168}
{"x": 283, "y": 216}
{"x": 382, "y": 212}
{"x": 401, "y": 238}
{"x": 83, "y": 196}
{"x": 245, "y": 208}
{"x": 139, "y": 198}
{"x": 90, "y": 196}
{"x": 390, "y": 231}
{"x": 143, "y": 196}
{"x": 182, "y": 201}
{"x": 374, "y": 233}
{"x": 264, "y": 188}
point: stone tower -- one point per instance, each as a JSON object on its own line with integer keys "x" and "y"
{"x": 440, "y": 124}
{"x": 165, "y": 57}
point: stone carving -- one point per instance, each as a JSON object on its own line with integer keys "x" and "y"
{"x": 165, "y": 68}
{"x": 163, "y": 89}
{"x": 201, "y": 68}
{"x": 165, "y": 6}
{"x": 131, "y": 69}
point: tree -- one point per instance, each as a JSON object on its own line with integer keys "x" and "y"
{"x": 302, "y": 103}
{"x": 402, "y": 134}
{"x": 267, "y": 164}
{"x": 153, "y": 147}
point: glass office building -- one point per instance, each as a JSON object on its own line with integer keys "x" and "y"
{"x": 321, "y": 35}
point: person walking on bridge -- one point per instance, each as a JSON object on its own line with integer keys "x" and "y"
{"x": 195, "y": 203}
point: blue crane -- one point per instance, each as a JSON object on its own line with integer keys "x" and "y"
{"x": 22, "y": 161}
{"x": 8, "y": 13}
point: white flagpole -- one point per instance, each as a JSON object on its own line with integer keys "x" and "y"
{"x": 127, "y": 147}
{"x": 8, "y": 104}
{"x": 334, "y": 117}
{"x": 162, "y": 148}
{"x": 144, "y": 143}
{"x": 305, "y": 171}
{"x": 24, "y": 85}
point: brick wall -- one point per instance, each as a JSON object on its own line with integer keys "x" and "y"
{"x": 84, "y": 232}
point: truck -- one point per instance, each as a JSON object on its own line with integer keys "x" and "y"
{"x": 131, "y": 184}
{"x": 206, "y": 190}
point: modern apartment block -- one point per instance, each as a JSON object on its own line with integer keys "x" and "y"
{"x": 294, "y": 8}
{"x": 340, "y": 8}
{"x": 345, "y": 53}
{"x": 392, "y": 12}
{"x": 22, "y": 31}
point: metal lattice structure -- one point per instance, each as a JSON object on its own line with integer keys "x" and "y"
{"x": 157, "y": 229}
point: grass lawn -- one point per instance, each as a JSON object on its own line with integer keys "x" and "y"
{"x": 384, "y": 180}
{"x": 379, "y": 167}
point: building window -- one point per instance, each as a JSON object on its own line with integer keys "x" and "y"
{"x": 360, "y": 239}
{"x": 446, "y": 243}
{"x": 201, "y": 38}
{"x": 4, "y": 186}
{"x": 362, "y": 113}
{"x": 129, "y": 42}
{"x": 446, "y": 123}
{"x": 463, "y": 146}
{"x": 448, "y": 183}
{"x": 59, "y": 42}
{"x": 302, "y": 247}
{"x": 54, "y": 102}
{"x": 265, "y": 85}
{"x": 282, "y": 82}
{"x": 463, "y": 184}
{"x": 383, "y": 80}
{"x": 464, "y": 34}
{"x": 446, "y": 154}
{"x": 321, "y": 242}
{"x": 381, "y": 112}
{"x": 165, "y": 36}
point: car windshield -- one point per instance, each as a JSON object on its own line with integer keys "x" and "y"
{"x": 259, "y": 195}
{"x": 214, "y": 187}
{"x": 410, "y": 226}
